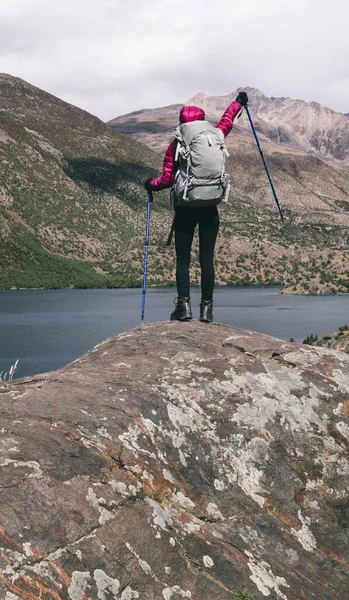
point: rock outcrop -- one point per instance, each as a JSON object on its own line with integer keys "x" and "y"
{"x": 178, "y": 461}
{"x": 339, "y": 340}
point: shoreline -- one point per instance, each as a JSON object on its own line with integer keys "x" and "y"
{"x": 282, "y": 291}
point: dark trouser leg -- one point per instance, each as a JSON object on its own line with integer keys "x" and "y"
{"x": 208, "y": 230}
{"x": 185, "y": 225}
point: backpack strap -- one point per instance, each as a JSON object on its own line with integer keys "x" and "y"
{"x": 180, "y": 142}
{"x": 184, "y": 150}
{"x": 225, "y": 156}
{"x": 188, "y": 179}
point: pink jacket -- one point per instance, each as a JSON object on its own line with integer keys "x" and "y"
{"x": 187, "y": 114}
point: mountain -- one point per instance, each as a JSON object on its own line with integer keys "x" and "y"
{"x": 73, "y": 206}
{"x": 297, "y": 124}
{"x": 153, "y": 127}
{"x": 309, "y": 253}
{"x": 71, "y": 193}
{"x": 304, "y": 125}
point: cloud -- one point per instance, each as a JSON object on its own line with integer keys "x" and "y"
{"x": 114, "y": 56}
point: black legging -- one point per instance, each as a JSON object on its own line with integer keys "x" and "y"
{"x": 186, "y": 220}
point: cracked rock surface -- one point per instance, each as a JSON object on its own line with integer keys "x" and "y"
{"x": 178, "y": 460}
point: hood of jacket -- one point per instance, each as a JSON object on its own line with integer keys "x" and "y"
{"x": 191, "y": 113}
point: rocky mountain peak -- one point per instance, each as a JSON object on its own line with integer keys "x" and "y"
{"x": 305, "y": 125}
{"x": 251, "y": 92}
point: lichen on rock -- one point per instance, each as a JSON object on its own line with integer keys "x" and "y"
{"x": 178, "y": 460}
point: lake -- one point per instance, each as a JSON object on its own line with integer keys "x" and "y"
{"x": 46, "y": 329}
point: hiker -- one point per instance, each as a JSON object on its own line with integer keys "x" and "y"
{"x": 194, "y": 166}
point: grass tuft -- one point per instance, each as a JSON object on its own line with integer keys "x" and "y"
{"x": 243, "y": 594}
{"x": 9, "y": 376}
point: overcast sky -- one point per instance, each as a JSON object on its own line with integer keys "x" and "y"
{"x": 115, "y": 56}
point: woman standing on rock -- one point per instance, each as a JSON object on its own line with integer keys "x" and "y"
{"x": 194, "y": 166}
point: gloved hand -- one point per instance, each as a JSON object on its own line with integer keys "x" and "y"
{"x": 242, "y": 98}
{"x": 147, "y": 184}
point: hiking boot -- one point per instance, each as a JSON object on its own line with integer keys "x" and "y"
{"x": 206, "y": 311}
{"x": 182, "y": 312}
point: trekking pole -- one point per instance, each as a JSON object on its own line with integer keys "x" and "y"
{"x": 265, "y": 164}
{"x": 146, "y": 249}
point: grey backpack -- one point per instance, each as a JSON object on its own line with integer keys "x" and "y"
{"x": 200, "y": 179}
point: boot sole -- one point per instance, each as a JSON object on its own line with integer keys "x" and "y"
{"x": 181, "y": 320}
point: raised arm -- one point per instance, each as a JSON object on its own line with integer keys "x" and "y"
{"x": 226, "y": 122}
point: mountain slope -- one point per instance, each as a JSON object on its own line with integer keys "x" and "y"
{"x": 72, "y": 203}
{"x": 310, "y": 252}
{"x": 303, "y": 125}
{"x": 71, "y": 192}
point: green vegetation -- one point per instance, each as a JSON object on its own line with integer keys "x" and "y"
{"x": 310, "y": 339}
{"x": 269, "y": 265}
{"x": 243, "y": 594}
{"x": 337, "y": 341}
{"x": 72, "y": 202}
